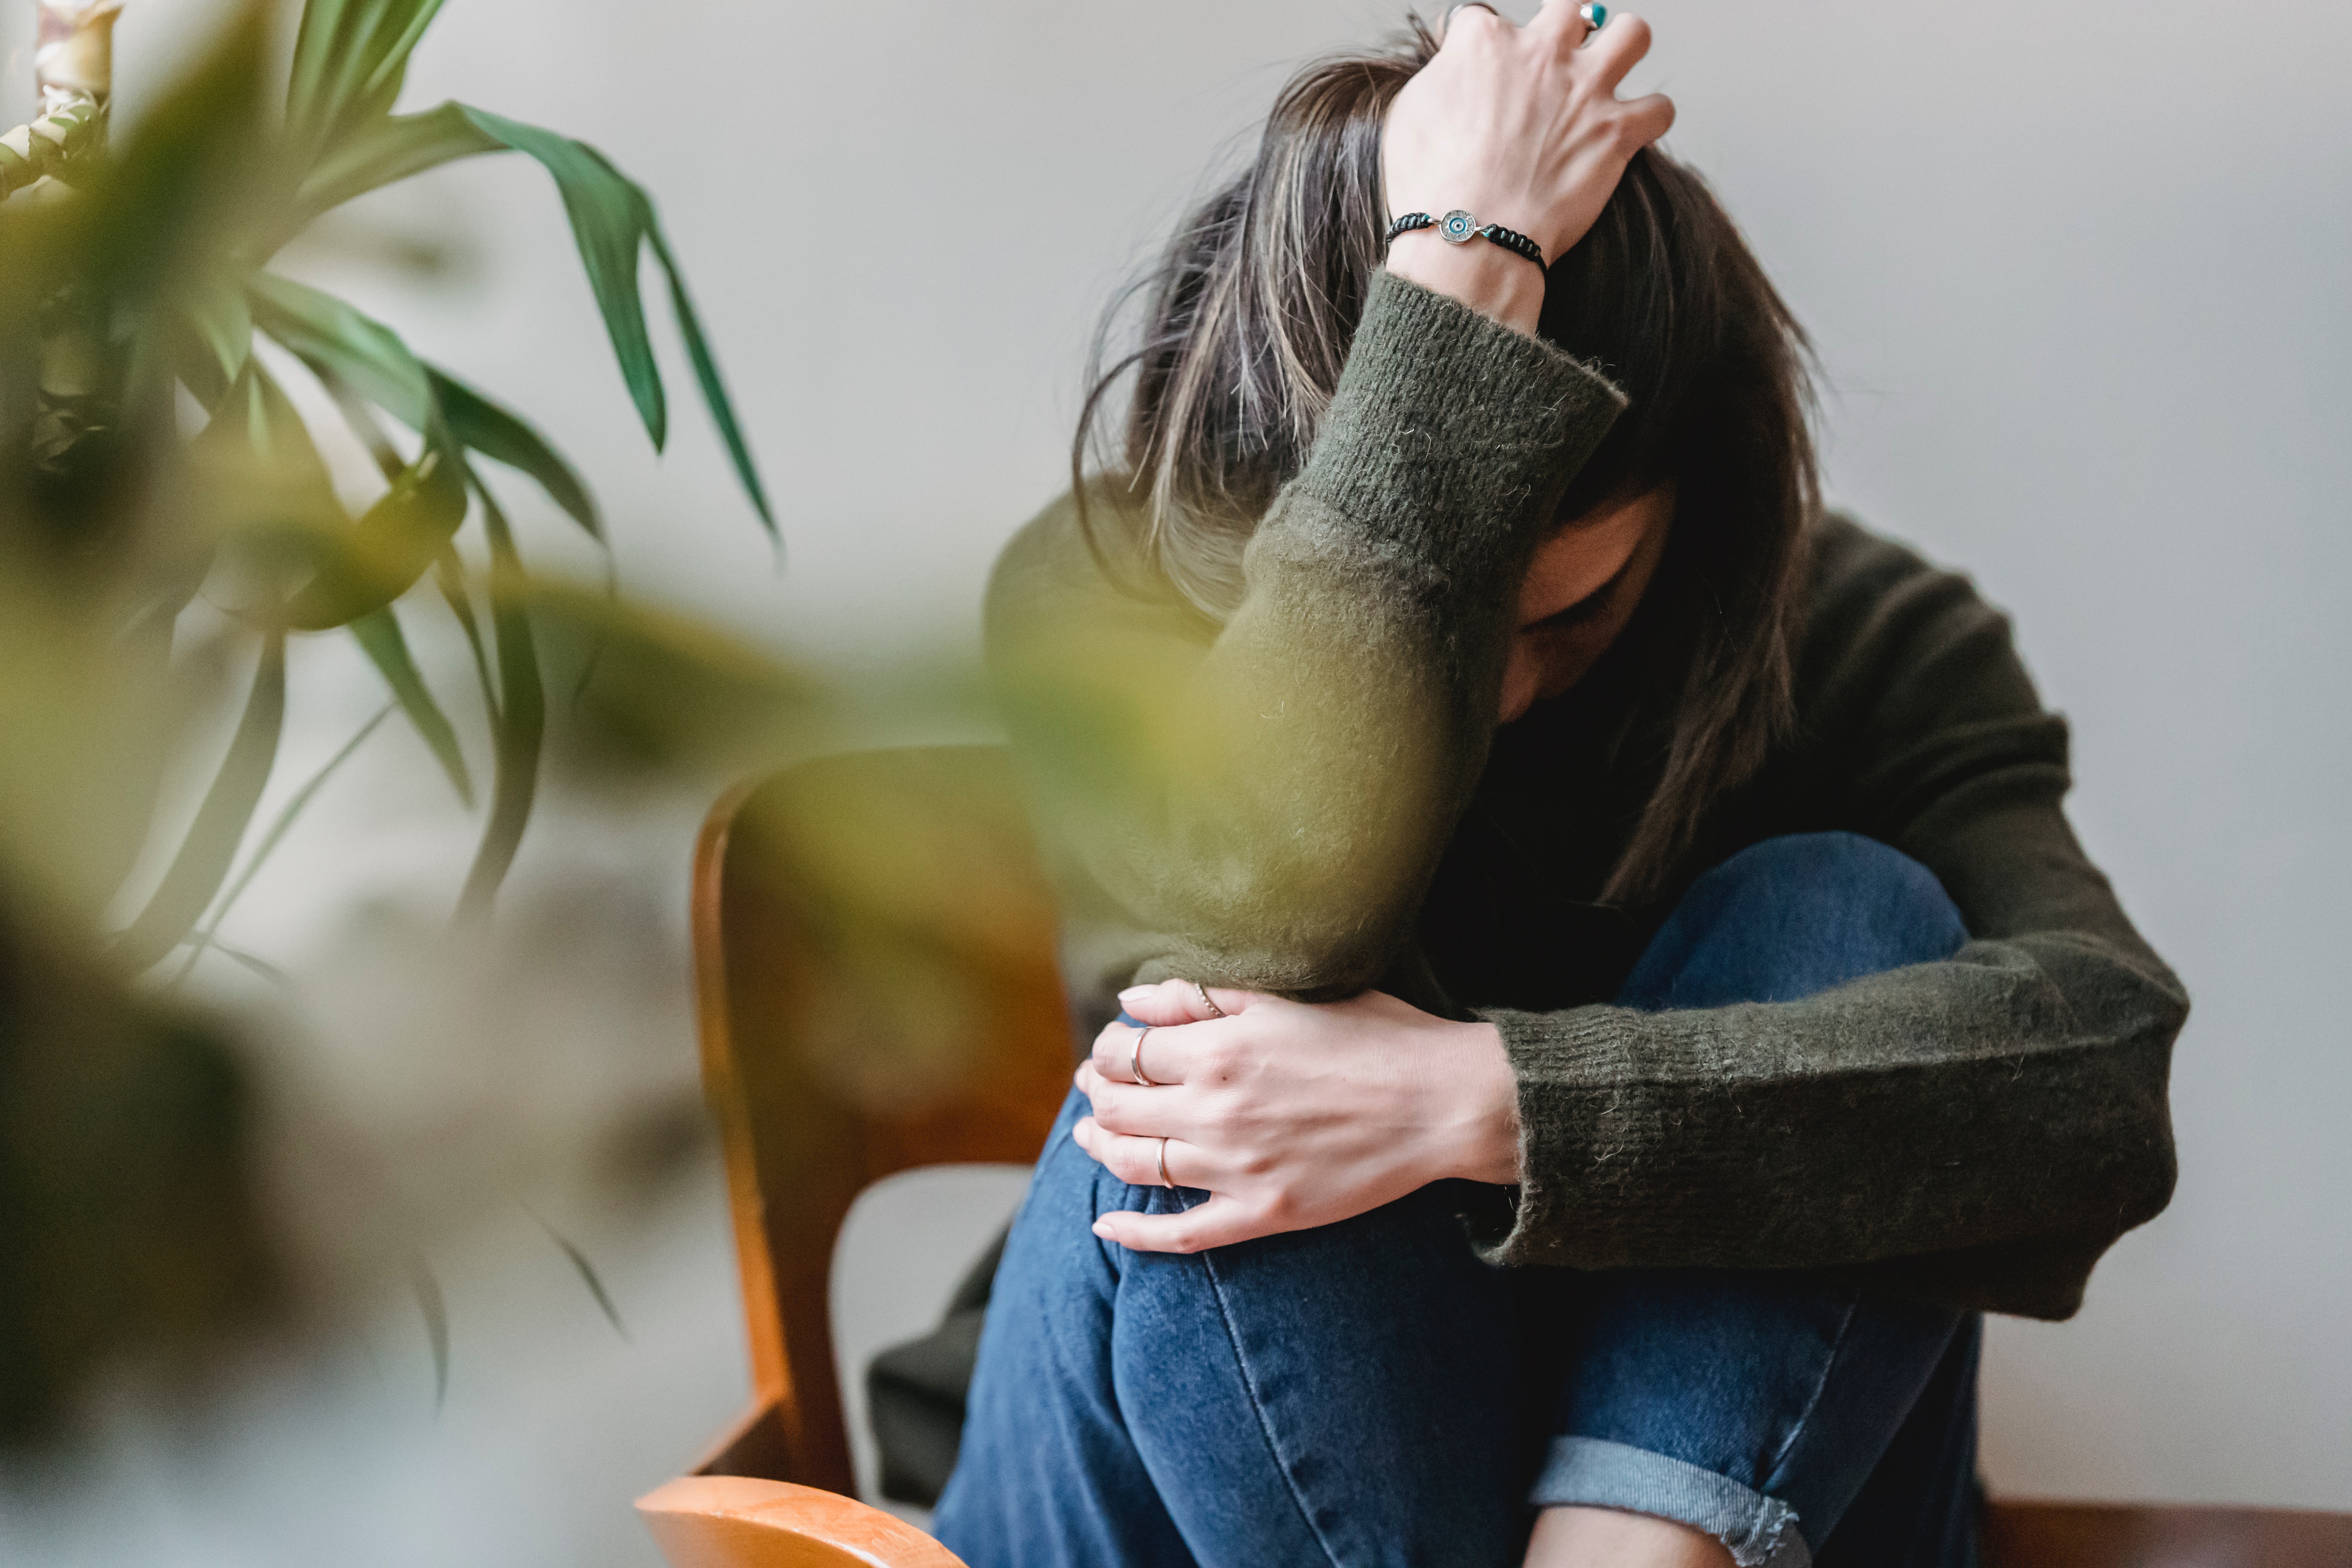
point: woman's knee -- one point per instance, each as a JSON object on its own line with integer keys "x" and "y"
{"x": 1763, "y": 1402}
{"x": 1792, "y": 916}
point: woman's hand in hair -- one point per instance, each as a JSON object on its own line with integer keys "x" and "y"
{"x": 1520, "y": 126}
{"x": 1291, "y": 1115}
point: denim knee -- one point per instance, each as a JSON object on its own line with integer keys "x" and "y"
{"x": 1792, "y": 916}
{"x": 1753, "y": 1406}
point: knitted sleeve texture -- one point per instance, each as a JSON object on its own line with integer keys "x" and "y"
{"x": 1261, "y": 803}
{"x": 1976, "y": 1131}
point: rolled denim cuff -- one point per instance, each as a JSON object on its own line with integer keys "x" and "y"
{"x": 1589, "y": 1472}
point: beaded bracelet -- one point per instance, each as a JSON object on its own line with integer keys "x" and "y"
{"x": 1458, "y": 227}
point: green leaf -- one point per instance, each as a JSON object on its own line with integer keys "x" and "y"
{"x": 400, "y": 535}
{"x": 435, "y": 1309}
{"x": 449, "y": 573}
{"x": 586, "y": 1270}
{"x": 392, "y": 544}
{"x": 256, "y": 417}
{"x": 325, "y": 332}
{"x": 278, "y": 828}
{"x": 210, "y": 847}
{"x": 609, "y": 218}
{"x": 253, "y": 962}
{"x": 384, "y": 151}
{"x": 349, "y": 57}
{"x": 521, "y": 722}
{"x": 714, "y": 390}
{"x": 378, "y": 634}
{"x": 477, "y": 423}
{"x": 217, "y": 326}
{"x": 613, "y": 220}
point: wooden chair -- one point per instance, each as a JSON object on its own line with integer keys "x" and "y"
{"x": 874, "y": 960}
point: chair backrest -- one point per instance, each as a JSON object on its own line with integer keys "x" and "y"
{"x": 875, "y": 975}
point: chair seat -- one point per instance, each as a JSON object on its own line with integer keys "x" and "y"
{"x": 2082, "y": 1535}
{"x": 733, "y": 1521}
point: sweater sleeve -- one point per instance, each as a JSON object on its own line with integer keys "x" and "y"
{"x": 1261, "y": 803}
{"x": 1976, "y": 1131}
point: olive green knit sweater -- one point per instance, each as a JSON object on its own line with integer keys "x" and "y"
{"x": 1312, "y": 797}
{"x": 1270, "y": 802}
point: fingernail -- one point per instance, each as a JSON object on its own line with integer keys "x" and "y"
{"x": 1136, "y": 993}
{"x": 1102, "y": 1229}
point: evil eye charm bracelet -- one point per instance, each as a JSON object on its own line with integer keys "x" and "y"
{"x": 1458, "y": 227}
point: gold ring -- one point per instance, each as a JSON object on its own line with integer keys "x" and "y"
{"x": 1135, "y": 1057}
{"x": 1206, "y": 1000}
{"x": 1164, "y": 1166}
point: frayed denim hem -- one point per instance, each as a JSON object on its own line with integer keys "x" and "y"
{"x": 1589, "y": 1472}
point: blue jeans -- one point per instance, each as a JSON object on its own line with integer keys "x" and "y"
{"x": 1371, "y": 1393}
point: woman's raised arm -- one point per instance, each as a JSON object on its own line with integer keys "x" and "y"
{"x": 1261, "y": 803}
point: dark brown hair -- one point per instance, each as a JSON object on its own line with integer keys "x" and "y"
{"x": 1250, "y": 316}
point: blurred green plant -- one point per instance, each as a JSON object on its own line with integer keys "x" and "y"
{"x": 124, "y": 329}
{"x": 150, "y": 555}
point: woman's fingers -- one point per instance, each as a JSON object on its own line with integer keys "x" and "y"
{"x": 1563, "y": 21}
{"x": 1647, "y": 119}
{"x": 1480, "y": 13}
{"x": 1173, "y": 1002}
{"x": 1137, "y": 1161}
{"x": 1220, "y": 1222}
{"x": 1159, "y": 1052}
{"x": 1617, "y": 48}
{"x": 1146, "y": 1112}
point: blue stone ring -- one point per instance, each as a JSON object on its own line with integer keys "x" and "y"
{"x": 1596, "y": 16}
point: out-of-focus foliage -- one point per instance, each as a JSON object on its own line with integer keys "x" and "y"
{"x": 159, "y": 274}
{"x": 143, "y": 567}
{"x": 126, "y": 1215}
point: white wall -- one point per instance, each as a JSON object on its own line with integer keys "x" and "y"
{"x": 2078, "y": 274}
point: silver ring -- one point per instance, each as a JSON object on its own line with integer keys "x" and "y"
{"x": 1164, "y": 1166}
{"x": 1206, "y": 1000}
{"x": 1135, "y": 1057}
{"x": 1469, "y": 6}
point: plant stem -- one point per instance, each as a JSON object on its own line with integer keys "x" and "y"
{"x": 74, "y": 58}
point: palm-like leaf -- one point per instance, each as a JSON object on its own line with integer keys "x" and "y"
{"x": 612, "y": 221}
{"x": 210, "y": 847}
{"x": 379, "y": 638}
{"x": 349, "y": 57}
{"x": 521, "y": 717}
{"x": 385, "y": 151}
{"x": 483, "y": 427}
{"x": 338, "y": 139}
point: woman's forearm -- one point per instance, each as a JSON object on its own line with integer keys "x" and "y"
{"x": 1269, "y": 801}
{"x": 1497, "y": 284}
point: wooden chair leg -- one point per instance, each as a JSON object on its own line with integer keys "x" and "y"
{"x": 733, "y": 1522}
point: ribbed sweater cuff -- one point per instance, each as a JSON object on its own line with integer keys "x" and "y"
{"x": 1451, "y": 435}
{"x": 1578, "y": 1092}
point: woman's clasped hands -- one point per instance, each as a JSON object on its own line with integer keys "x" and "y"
{"x": 1289, "y": 1114}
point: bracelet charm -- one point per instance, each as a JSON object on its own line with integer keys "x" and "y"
{"x": 1459, "y": 227}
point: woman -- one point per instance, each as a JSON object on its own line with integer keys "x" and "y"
{"x": 1587, "y": 1138}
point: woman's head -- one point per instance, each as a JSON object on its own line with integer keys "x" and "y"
{"x": 1250, "y": 319}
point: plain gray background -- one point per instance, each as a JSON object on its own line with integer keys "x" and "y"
{"x": 2077, "y": 275}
